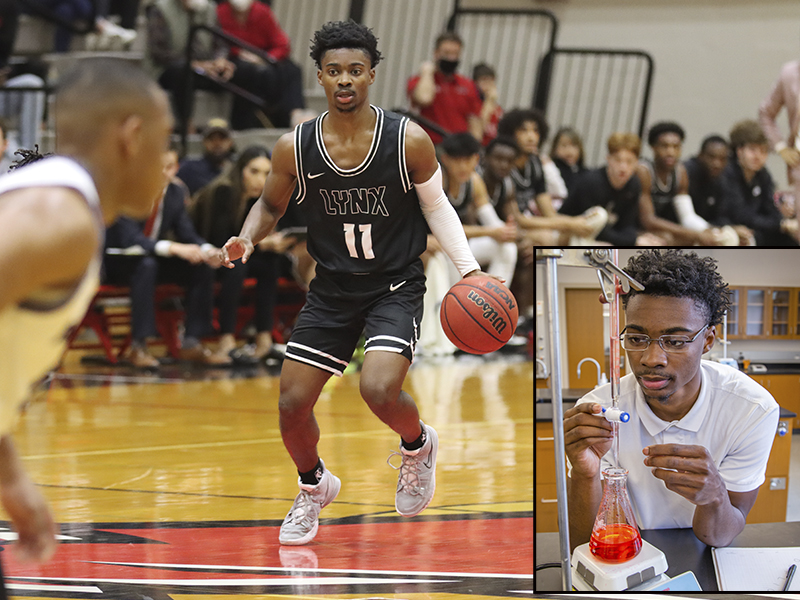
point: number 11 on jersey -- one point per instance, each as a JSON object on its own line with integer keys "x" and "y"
{"x": 366, "y": 239}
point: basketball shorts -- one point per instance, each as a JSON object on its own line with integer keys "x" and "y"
{"x": 386, "y": 308}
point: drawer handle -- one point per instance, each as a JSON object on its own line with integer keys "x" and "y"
{"x": 548, "y": 501}
{"x": 550, "y": 439}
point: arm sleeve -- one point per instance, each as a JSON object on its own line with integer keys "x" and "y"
{"x": 686, "y": 215}
{"x": 445, "y": 224}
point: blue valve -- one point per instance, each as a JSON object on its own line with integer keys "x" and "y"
{"x": 616, "y": 415}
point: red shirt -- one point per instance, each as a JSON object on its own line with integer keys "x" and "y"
{"x": 456, "y": 100}
{"x": 261, "y": 29}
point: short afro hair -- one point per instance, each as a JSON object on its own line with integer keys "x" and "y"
{"x": 676, "y": 274}
{"x": 663, "y": 127}
{"x": 345, "y": 34}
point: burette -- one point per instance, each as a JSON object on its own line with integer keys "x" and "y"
{"x": 613, "y": 353}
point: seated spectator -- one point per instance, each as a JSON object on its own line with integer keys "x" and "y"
{"x": 528, "y": 128}
{"x": 614, "y": 188}
{"x": 24, "y": 111}
{"x": 665, "y": 207}
{"x": 279, "y": 83}
{"x": 218, "y": 213}
{"x": 567, "y": 155}
{"x": 749, "y": 189}
{"x": 217, "y": 148}
{"x": 485, "y": 79}
{"x": 443, "y": 96}
{"x": 6, "y": 158}
{"x": 152, "y": 258}
{"x": 705, "y": 187}
{"x": 110, "y": 35}
{"x": 168, "y": 26}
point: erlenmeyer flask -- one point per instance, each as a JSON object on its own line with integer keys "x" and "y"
{"x": 615, "y": 535}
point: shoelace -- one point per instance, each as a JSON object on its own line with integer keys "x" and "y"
{"x": 301, "y": 508}
{"x": 409, "y": 473}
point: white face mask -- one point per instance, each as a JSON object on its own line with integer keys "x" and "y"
{"x": 196, "y": 5}
{"x": 241, "y": 5}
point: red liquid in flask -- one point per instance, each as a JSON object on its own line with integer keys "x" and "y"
{"x": 615, "y": 543}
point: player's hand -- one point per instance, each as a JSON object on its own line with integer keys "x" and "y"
{"x": 587, "y": 437}
{"x": 689, "y": 471}
{"x": 31, "y": 518}
{"x": 191, "y": 253}
{"x": 790, "y": 156}
{"x": 213, "y": 257}
{"x": 235, "y": 248}
{"x": 506, "y": 233}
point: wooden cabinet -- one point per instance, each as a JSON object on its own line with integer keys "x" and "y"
{"x": 764, "y": 313}
{"x": 546, "y": 498}
{"x": 785, "y": 389}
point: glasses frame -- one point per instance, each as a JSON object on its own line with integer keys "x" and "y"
{"x": 659, "y": 339}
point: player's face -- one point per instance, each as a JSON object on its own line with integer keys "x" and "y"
{"x": 620, "y": 168}
{"x": 500, "y": 161}
{"x": 254, "y": 176}
{"x": 667, "y": 150}
{"x": 460, "y": 168}
{"x": 714, "y": 158}
{"x": 346, "y": 76}
{"x": 528, "y": 137}
{"x": 146, "y": 165}
{"x": 752, "y": 157}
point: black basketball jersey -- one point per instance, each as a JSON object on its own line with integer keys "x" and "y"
{"x": 361, "y": 220}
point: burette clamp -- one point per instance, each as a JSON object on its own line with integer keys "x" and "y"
{"x": 615, "y": 415}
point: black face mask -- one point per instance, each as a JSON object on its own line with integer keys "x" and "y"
{"x": 448, "y": 67}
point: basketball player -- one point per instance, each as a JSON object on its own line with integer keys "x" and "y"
{"x": 112, "y": 124}
{"x": 367, "y": 180}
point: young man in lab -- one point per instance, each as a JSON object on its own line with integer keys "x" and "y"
{"x": 700, "y": 433}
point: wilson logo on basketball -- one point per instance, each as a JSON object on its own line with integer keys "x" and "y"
{"x": 489, "y": 313}
{"x": 500, "y": 291}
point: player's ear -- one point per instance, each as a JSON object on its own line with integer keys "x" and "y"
{"x": 319, "y": 76}
{"x": 371, "y": 76}
{"x": 130, "y": 134}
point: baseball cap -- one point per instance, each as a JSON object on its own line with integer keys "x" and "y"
{"x": 216, "y": 125}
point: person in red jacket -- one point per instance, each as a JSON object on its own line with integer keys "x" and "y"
{"x": 277, "y": 80}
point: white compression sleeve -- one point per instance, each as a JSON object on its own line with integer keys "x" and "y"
{"x": 487, "y": 216}
{"x": 686, "y": 215}
{"x": 445, "y": 224}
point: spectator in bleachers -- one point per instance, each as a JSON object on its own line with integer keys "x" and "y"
{"x": 5, "y": 159}
{"x": 168, "y": 26}
{"x": 443, "y": 96}
{"x": 665, "y": 207}
{"x": 70, "y": 11}
{"x": 23, "y": 109}
{"x": 110, "y": 34}
{"x": 485, "y": 79}
{"x": 615, "y": 188}
{"x": 278, "y": 81}
{"x": 749, "y": 188}
{"x": 785, "y": 92}
{"x": 217, "y": 148}
{"x": 705, "y": 187}
{"x": 528, "y": 128}
{"x": 567, "y": 155}
{"x": 218, "y": 213}
{"x": 152, "y": 258}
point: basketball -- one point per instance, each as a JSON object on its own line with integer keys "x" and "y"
{"x": 479, "y": 315}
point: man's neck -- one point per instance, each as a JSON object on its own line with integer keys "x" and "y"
{"x": 662, "y": 171}
{"x": 348, "y": 123}
{"x": 748, "y": 174}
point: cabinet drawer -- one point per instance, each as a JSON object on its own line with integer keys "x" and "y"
{"x": 546, "y": 507}
{"x": 545, "y": 454}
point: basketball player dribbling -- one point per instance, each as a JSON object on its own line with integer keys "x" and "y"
{"x": 112, "y": 126}
{"x": 367, "y": 180}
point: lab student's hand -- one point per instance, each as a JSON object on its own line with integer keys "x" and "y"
{"x": 587, "y": 437}
{"x": 688, "y": 471}
{"x": 235, "y": 248}
{"x": 27, "y": 508}
{"x": 189, "y": 252}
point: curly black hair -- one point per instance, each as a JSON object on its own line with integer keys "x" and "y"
{"x": 663, "y": 127}
{"x": 680, "y": 275}
{"x": 516, "y": 118}
{"x": 28, "y": 156}
{"x": 345, "y": 34}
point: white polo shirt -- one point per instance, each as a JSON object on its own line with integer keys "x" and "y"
{"x": 734, "y": 418}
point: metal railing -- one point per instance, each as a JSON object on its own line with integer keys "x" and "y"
{"x": 597, "y": 91}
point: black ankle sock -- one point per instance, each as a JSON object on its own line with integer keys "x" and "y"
{"x": 314, "y": 476}
{"x": 417, "y": 443}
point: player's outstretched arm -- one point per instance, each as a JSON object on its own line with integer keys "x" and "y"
{"x": 440, "y": 214}
{"x": 47, "y": 239}
{"x": 270, "y": 207}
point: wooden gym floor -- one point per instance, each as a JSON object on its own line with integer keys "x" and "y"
{"x": 174, "y": 486}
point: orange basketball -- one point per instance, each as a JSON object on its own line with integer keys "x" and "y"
{"x": 479, "y": 315}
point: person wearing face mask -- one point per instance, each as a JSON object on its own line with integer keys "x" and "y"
{"x": 278, "y": 81}
{"x": 443, "y": 96}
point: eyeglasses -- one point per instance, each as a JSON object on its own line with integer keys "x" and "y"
{"x": 637, "y": 342}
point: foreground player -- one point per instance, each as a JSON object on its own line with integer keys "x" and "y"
{"x": 112, "y": 124}
{"x": 367, "y": 180}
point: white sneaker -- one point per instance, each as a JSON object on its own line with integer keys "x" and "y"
{"x": 417, "y": 480}
{"x": 301, "y": 524}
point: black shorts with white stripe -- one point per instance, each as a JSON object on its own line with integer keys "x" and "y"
{"x": 386, "y": 308}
